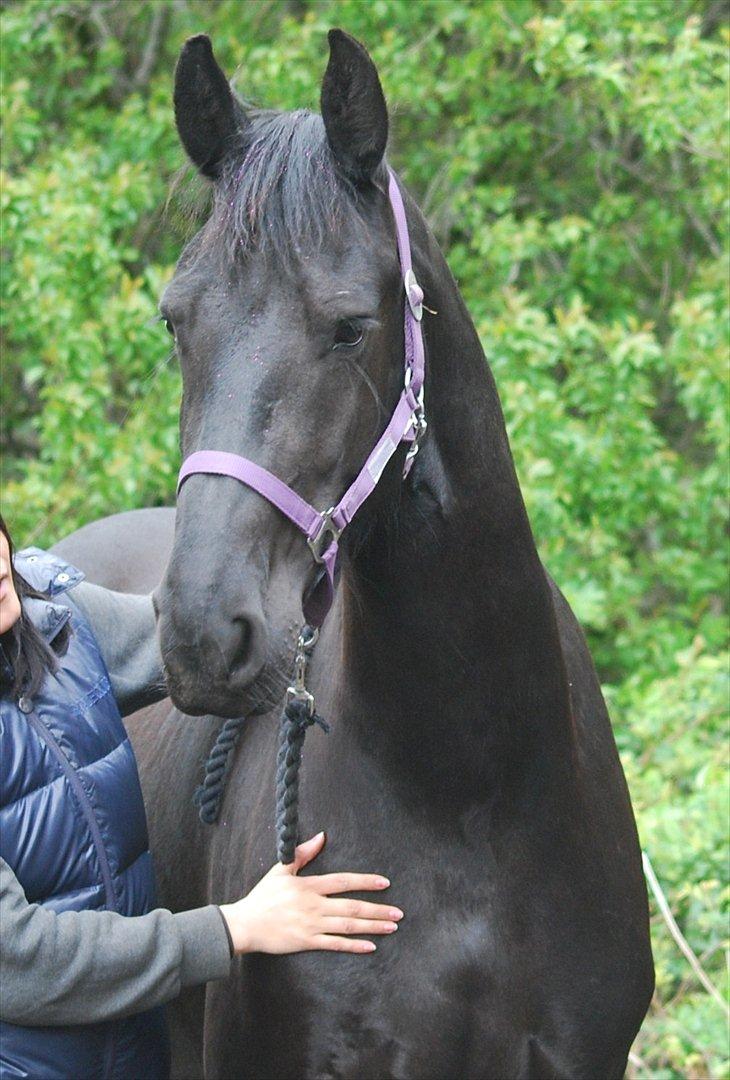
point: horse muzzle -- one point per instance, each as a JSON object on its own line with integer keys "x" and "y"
{"x": 211, "y": 667}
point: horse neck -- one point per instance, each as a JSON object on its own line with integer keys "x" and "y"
{"x": 452, "y": 664}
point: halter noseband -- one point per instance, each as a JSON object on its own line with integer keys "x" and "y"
{"x": 407, "y": 424}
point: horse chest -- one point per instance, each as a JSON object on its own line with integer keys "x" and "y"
{"x": 462, "y": 990}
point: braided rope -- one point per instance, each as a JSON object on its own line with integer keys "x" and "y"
{"x": 210, "y": 793}
{"x": 295, "y": 720}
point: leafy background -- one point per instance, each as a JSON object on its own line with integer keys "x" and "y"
{"x": 572, "y": 159}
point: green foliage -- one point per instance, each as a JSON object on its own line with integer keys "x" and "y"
{"x": 571, "y": 157}
{"x": 672, "y": 734}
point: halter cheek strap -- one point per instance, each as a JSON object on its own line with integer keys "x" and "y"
{"x": 322, "y": 529}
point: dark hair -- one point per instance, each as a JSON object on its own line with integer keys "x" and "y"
{"x": 286, "y": 191}
{"x": 29, "y": 655}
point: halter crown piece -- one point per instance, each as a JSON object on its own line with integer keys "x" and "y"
{"x": 323, "y": 529}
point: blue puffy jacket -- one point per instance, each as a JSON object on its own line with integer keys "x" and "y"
{"x": 73, "y": 828}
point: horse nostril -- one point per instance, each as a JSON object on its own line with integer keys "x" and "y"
{"x": 243, "y": 636}
{"x": 249, "y": 652}
{"x": 246, "y": 632}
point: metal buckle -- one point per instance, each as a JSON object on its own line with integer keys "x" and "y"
{"x": 298, "y": 692}
{"x": 410, "y": 282}
{"x": 317, "y": 543}
{"x": 420, "y": 424}
{"x": 407, "y": 384}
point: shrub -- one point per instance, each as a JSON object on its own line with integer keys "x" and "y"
{"x": 572, "y": 161}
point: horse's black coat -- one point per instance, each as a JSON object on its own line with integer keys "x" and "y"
{"x": 471, "y": 757}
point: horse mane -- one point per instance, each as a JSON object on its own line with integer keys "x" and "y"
{"x": 283, "y": 191}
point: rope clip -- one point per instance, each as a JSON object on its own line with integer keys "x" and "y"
{"x": 298, "y": 691}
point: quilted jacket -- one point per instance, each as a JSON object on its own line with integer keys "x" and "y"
{"x": 73, "y": 829}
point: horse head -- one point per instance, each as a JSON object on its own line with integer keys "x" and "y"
{"x": 287, "y": 314}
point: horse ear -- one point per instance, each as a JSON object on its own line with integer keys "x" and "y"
{"x": 207, "y": 115}
{"x": 353, "y": 108}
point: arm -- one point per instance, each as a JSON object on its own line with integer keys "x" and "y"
{"x": 125, "y": 629}
{"x": 82, "y": 966}
{"x": 78, "y": 967}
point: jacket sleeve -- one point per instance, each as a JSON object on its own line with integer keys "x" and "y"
{"x": 78, "y": 967}
{"x": 125, "y": 630}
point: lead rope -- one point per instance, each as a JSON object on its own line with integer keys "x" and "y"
{"x": 294, "y": 723}
{"x": 208, "y": 796}
{"x": 298, "y": 715}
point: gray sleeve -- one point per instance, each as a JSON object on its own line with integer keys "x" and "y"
{"x": 77, "y": 967}
{"x": 125, "y": 629}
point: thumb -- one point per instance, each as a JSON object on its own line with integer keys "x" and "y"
{"x": 307, "y": 851}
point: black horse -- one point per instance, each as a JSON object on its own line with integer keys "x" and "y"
{"x": 471, "y": 757}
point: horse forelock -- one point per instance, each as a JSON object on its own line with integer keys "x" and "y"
{"x": 282, "y": 190}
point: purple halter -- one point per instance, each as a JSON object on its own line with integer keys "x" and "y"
{"x": 407, "y": 424}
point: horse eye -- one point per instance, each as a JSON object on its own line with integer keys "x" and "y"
{"x": 347, "y": 334}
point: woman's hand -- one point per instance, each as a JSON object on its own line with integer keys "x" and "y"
{"x": 285, "y": 913}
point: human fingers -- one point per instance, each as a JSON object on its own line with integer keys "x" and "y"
{"x": 331, "y": 943}
{"x": 327, "y": 884}
{"x": 339, "y": 925}
{"x": 361, "y": 909}
{"x": 304, "y": 853}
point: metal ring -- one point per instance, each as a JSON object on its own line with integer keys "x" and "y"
{"x": 310, "y": 640}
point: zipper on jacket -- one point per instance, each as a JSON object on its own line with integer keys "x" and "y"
{"x": 43, "y": 731}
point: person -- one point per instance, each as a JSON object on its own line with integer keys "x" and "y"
{"x": 87, "y": 961}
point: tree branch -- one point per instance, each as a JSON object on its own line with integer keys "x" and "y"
{"x": 155, "y": 41}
